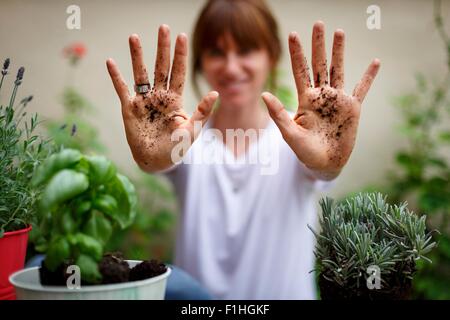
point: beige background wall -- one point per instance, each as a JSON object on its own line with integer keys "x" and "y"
{"x": 33, "y": 34}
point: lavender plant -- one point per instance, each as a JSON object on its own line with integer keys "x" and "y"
{"x": 364, "y": 231}
{"x": 21, "y": 151}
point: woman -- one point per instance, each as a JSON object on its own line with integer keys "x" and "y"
{"x": 243, "y": 234}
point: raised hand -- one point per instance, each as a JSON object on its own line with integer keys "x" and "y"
{"x": 322, "y": 134}
{"x": 151, "y": 117}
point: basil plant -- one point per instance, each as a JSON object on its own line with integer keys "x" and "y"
{"x": 83, "y": 200}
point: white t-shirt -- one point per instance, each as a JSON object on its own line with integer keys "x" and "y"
{"x": 242, "y": 232}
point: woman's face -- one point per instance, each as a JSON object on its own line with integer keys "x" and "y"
{"x": 238, "y": 75}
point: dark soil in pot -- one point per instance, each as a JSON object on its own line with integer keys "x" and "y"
{"x": 147, "y": 269}
{"x": 54, "y": 278}
{"x": 113, "y": 268}
{"x": 401, "y": 290}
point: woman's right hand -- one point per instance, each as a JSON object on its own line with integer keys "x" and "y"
{"x": 151, "y": 118}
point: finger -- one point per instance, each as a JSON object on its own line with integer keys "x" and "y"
{"x": 118, "y": 82}
{"x": 178, "y": 75}
{"x": 299, "y": 65}
{"x": 137, "y": 59}
{"x": 204, "y": 108}
{"x": 280, "y": 116}
{"x": 363, "y": 86}
{"x": 337, "y": 60}
{"x": 162, "y": 64}
{"x": 319, "y": 57}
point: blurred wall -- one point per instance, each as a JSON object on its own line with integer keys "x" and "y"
{"x": 33, "y": 33}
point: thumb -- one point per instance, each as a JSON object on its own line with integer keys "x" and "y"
{"x": 279, "y": 115}
{"x": 203, "y": 110}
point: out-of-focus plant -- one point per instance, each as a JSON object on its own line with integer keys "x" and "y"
{"x": 150, "y": 234}
{"x": 74, "y": 131}
{"x": 284, "y": 92}
{"x": 422, "y": 172}
{"x": 75, "y": 52}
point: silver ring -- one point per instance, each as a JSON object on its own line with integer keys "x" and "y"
{"x": 142, "y": 88}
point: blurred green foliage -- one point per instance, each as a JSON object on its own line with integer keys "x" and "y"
{"x": 73, "y": 130}
{"x": 422, "y": 168}
{"x": 284, "y": 92}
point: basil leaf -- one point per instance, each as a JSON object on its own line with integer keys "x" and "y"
{"x": 58, "y": 251}
{"x": 63, "y": 186}
{"x": 107, "y": 204}
{"x": 88, "y": 268}
{"x": 88, "y": 245}
{"x": 125, "y": 194}
{"x": 61, "y": 160}
{"x": 98, "y": 227}
{"x": 81, "y": 207}
{"x": 66, "y": 221}
{"x": 101, "y": 169}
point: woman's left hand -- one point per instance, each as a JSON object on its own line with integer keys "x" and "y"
{"x": 323, "y": 131}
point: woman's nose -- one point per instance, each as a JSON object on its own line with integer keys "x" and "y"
{"x": 232, "y": 64}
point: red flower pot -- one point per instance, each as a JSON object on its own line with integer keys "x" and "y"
{"x": 13, "y": 248}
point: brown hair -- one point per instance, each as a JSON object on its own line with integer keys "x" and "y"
{"x": 249, "y": 22}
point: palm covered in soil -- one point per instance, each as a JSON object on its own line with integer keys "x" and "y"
{"x": 151, "y": 118}
{"x": 323, "y": 131}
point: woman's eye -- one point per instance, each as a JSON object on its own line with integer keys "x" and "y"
{"x": 215, "y": 52}
{"x": 244, "y": 51}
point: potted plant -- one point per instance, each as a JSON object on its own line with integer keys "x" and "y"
{"x": 21, "y": 151}
{"x": 83, "y": 200}
{"x": 367, "y": 249}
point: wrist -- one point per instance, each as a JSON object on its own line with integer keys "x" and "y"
{"x": 322, "y": 174}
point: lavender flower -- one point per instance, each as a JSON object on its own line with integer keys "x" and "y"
{"x": 4, "y": 71}
{"x": 17, "y": 83}
{"x": 74, "y": 129}
{"x": 25, "y": 100}
{"x": 19, "y": 76}
{"x": 5, "y": 67}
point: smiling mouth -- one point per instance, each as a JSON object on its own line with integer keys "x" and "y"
{"x": 233, "y": 85}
